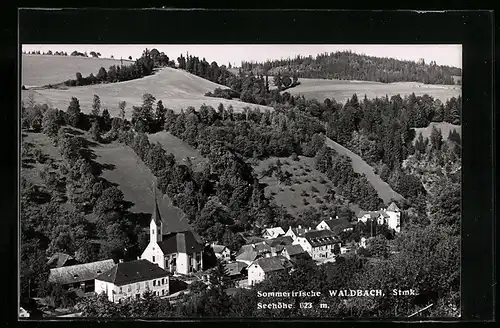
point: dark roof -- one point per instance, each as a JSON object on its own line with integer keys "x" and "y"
{"x": 219, "y": 248}
{"x": 247, "y": 253}
{"x": 273, "y": 263}
{"x": 156, "y": 217}
{"x": 262, "y": 247}
{"x": 294, "y": 250}
{"x": 80, "y": 272}
{"x": 235, "y": 268}
{"x": 321, "y": 237}
{"x": 130, "y": 272}
{"x": 60, "y": 259}
{"x": 299, "y": 231}
{"x": 180, "y": 242}
{"x": 282, "y": 240}
{"x": 337, "y": 223}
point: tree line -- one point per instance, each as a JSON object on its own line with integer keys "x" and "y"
{"x": 346, "y": 65}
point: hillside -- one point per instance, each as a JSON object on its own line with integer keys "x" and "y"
{"x": 135, "y": 180}
{"x": 40, "y": 70}
{"x": 445, "y": 128}
{"x": 383, "y": 189}
{"x": 341, "y": 90}
{"x": 176, "y": 88}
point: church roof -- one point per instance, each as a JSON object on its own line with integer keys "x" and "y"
{"x": 180, "y": 242}
{"x": 170, "y": 217}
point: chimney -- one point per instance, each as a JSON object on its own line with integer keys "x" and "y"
{"x": 300, "y": 227}
{"x": 337, "y": 217}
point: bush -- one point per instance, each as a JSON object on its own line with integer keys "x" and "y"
{"x": 305, "y": 202}
{"x": 318, "y": 200}
{"x": 314, "y": 189}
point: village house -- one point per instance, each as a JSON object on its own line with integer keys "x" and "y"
{"x": 132, "y": 279}
{"x": 177, "y": 252}
{"x": 249, "y": 253}
{"x": 391, "y": 216}
{"x": 296, "y": 232}
{"x": 58, "y": 260}
{"x": 261, "y": 269}
{"x": 237, "y": 270}
{"x": 278, "y": 244}
{"x": 318, "y": 243}
{"x": 336, "y": 225}
{"x": 271, "y": 233}
{"x": 80, "y": 276}
{"x": 221, "y": 252}
{"x": 293, "y": 252}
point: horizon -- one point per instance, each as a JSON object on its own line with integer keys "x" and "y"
{"x": 223, "y": 54}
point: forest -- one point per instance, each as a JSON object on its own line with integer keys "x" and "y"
{"x": 346, "y": 65}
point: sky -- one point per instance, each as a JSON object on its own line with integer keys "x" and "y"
{"x": 450, "y": 55}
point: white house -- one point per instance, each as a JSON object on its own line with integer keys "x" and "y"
{"x": 261, "y": 268}
{"x": 390, "y": 216}
{"x": 177, "y": 252}
{"x": 296, "y": 232}
{"x": 221, "y": 252}
{"x": 271, "y": 233}
{"x": 132, "y": 279}
{"x": 319, "y": 244}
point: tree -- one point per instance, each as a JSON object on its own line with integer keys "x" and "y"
{"x": 436, "y": 138}
{"x": 96, "y": 106}
{"x": 94, "y": 54}
{"x": 129, "y": 57}
{"x": 95, "y": 132}
{"x": 378, "y": 247}
{"x": 73, "y": 112}
{"x": 122, "y": 105}
{"x": 34, "y": 117}
{"x": 336, "y": 249}
{"x": 51, "y": 123}
{"x": 106, "y": 119}
{"x": 102, "y": 75}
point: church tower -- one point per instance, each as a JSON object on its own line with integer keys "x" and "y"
{"x": 156, "y": 224}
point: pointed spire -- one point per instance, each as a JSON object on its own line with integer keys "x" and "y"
{"x": 156, "y": 212}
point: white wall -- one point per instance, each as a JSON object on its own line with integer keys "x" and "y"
{"x": 255, "y": 274}
{"x": 394, "y": 220}
{"x": 131, "y": 290}
{"x": 322, "y": 226}
{"x": 153, "y": 250}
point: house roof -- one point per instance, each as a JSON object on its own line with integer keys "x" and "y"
{"x": 273, "y": 263}
{"x": 171, "y": 218}
{"x": 180, "y": 242}
{"x": 80, "y": 272}
{"x": 321, "y": 237}
{"x": 274, "y": 232}
{"x": 294, "y": 250}
{"x": 247, "y": 253}
{"x": 282, "y": 240}
{"x": 393, "y": 207}
{"x": 130, "y": 272}
{"x": 235, "y": 268}
{"x": 338, "y": 223}
{"x": 219, "y": 248}
{"x": 384, "y": 214}
{"x": 60, "y": 259}
{"x": 299, "y": 231}
{"x": 262, "y": 247}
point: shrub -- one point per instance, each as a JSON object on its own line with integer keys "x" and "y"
{"x": 314, "y": 189}
{"x": 305, "y": 202}
{"x": 318, "y": 200}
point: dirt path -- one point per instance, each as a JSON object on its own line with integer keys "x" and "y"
{"x": 360, "y": 166}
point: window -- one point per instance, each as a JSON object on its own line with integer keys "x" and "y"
{"x": 121, "y": 290}
{"x": 162, "y": 281}
{"x": 163, "y": 291}
{"x": 138, "y": 286}
{"x": 129, "y": 288}
{"x": 153, "y": 258}
{"x": 154, "y": 282}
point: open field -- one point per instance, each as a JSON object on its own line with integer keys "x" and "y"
{"x": 305, "y": 179}
{"x": 40, "y": 70}
{"x": 341, "y": 90}
{"x": 445, "y": 128}
{"x": 383, "y": 189}
{"x": 176, "y": 88}
{"x": 178, "y": 148}
{"x": 135, "y": 180}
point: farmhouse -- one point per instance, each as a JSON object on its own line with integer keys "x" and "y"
{"x": 178, "y": 252}
{"x": 318, "y": 243}
{"x": 278, "y": 244}
{"x": 262, "y": 268}
{"x": 221, "y": 252}
{"x": 237, "y": 270}
{"x": 249, "y": 253}
{"x": 132, "y": 279}
{"x": 79, "y": 276}
{"x": 271, "y": 233}
{"x": 293, "y": 252}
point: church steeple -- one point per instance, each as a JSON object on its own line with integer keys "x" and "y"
{"x": 156, "y": 224}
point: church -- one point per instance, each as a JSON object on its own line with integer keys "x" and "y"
{"x": 177, "y": 252}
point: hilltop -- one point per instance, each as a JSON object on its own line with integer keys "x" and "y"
{"x": 40, "y": 70}
{"x": 176, "y": 88}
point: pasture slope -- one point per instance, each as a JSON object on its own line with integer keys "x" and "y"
{"x": 135, "y": 180}
{"x": 178, "y": 148}
{"x": 177, "y": 89}
{"x": 341, "y": 90}
{"x": 40, "y": 70}
{"x": 445, "y": 128}
{"x": 383, "y": 189}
